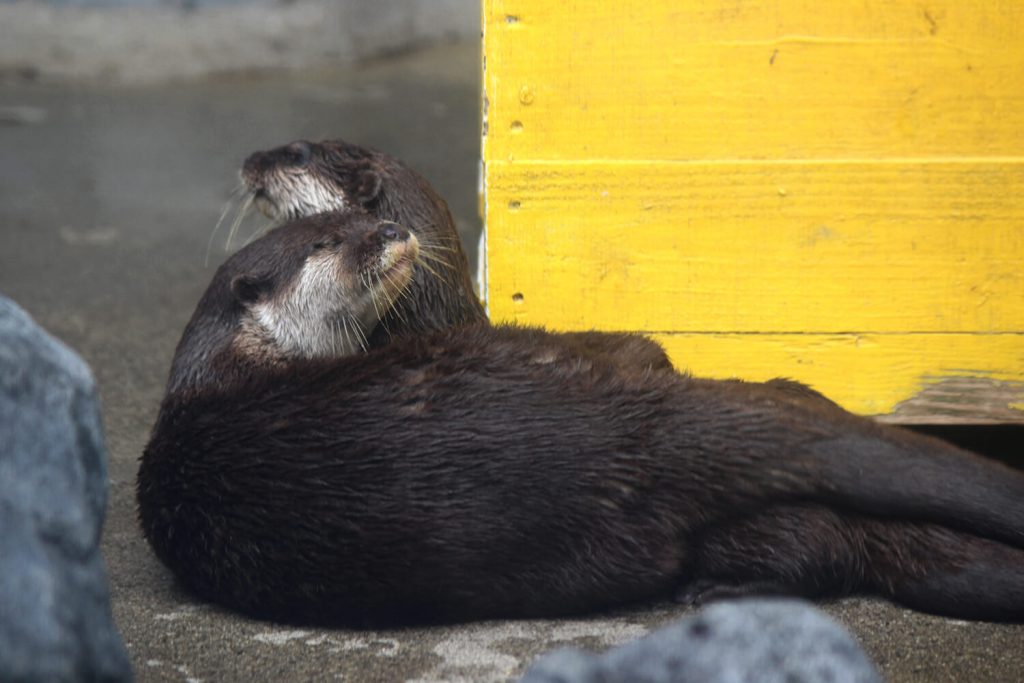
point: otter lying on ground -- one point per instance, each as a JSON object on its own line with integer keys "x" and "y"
{"x": 493, "y": 471}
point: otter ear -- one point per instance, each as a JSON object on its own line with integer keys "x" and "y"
{"x": 367, "y": 186}
{"x": 249, "y": 288}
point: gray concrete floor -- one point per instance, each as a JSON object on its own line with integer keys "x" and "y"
{"x": 107, "y": 201}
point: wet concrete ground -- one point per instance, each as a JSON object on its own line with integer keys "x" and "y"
{"x": 107, "y": 201}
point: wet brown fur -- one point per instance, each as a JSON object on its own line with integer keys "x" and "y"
{"x": 495, "y": 471}
{"x": 221, "y": 345}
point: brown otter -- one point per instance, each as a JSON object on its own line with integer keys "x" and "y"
{"x": 306, "y": 178}
{"x": 294, "y": 294}
{"x": 303, "y": 178}
{"x": 494, "y": 471}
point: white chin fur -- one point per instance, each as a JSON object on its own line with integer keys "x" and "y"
{"x": 306, "y": 196}
{"x": 321, "y": 316}
{"x": 312, "y": 320}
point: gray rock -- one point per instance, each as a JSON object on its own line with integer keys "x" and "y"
{"x": 56, "y": 623}
{"x": 748, "y": 641}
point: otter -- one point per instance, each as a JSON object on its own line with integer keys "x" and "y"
{"x": 288, "y": 295}
{"x": 497, "y": 471}
{"x": 305, "y": 178}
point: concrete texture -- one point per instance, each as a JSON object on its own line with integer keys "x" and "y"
{"x": 108, "y": 196}
{"x": 140, "y": 41}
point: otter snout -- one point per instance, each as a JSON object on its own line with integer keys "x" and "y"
{"x": 398, "y": 249}
{"x": 256, "y": 164}
{"x": 295, "y": 155}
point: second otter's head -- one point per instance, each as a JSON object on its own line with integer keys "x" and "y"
{"x": 305, "y": 178}
{"x": 312, "y": 288}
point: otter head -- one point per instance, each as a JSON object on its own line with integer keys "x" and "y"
{"x": 313, "y": 288}
{"x": 304, "y": 178}
{"x": 333, "y": 278}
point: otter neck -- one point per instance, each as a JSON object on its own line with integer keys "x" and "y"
{"x": 437, "y": 298}
{"x": 213, "y": 362}
{"x": 289, "y": 336}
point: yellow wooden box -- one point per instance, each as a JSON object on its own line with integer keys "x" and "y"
{"x": 828, "y": 191}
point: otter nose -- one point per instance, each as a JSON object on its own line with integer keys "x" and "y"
{"x": 393, "y": 232}
{"x": 254, "y": 165}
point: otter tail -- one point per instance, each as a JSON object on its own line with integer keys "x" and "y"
{"x": 889, "y": 472}
{"x": 814, "y": 552}
{"x": 985, "y": 582}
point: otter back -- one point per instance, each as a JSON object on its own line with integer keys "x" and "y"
{"x": 490, "y": 472}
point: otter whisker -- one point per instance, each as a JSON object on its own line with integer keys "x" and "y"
{"x": 242, "y": 211}
{"x": 394, "y": 294}
{"x": 385, "y": 292}
{"x": 405, "y": 293}
{"x": 383, "y": 322}
{"x": 436, "y": 246}
{"x": 267, "y": 226}
{"x": 360, "y": 334}
{"x": 427, "y": 268}
{"x": 405, "y": 290}
{"x": 425, "y": 253}
{"x": 381, "y": 302}
{"x": 349, "y": 345}
{"x": 365, "y": 279}
{"x": 348, "y": 338}
{"x": 334, "y": 330}
{"x": 400, "y": 292}
{"x": 228, "y": 205}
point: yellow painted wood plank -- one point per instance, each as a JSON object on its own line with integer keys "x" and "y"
{"x": 866, "y": 373}
{"x": 828, "y": 191}
{"x": 758, "y": 247}
{"x": 707, "y": 79}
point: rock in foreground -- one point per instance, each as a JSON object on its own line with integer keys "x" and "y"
{"x": 768, "y": 641}
{"x": 56, "y": 623}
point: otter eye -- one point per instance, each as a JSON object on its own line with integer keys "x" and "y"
{"x": 299, "y": 153}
